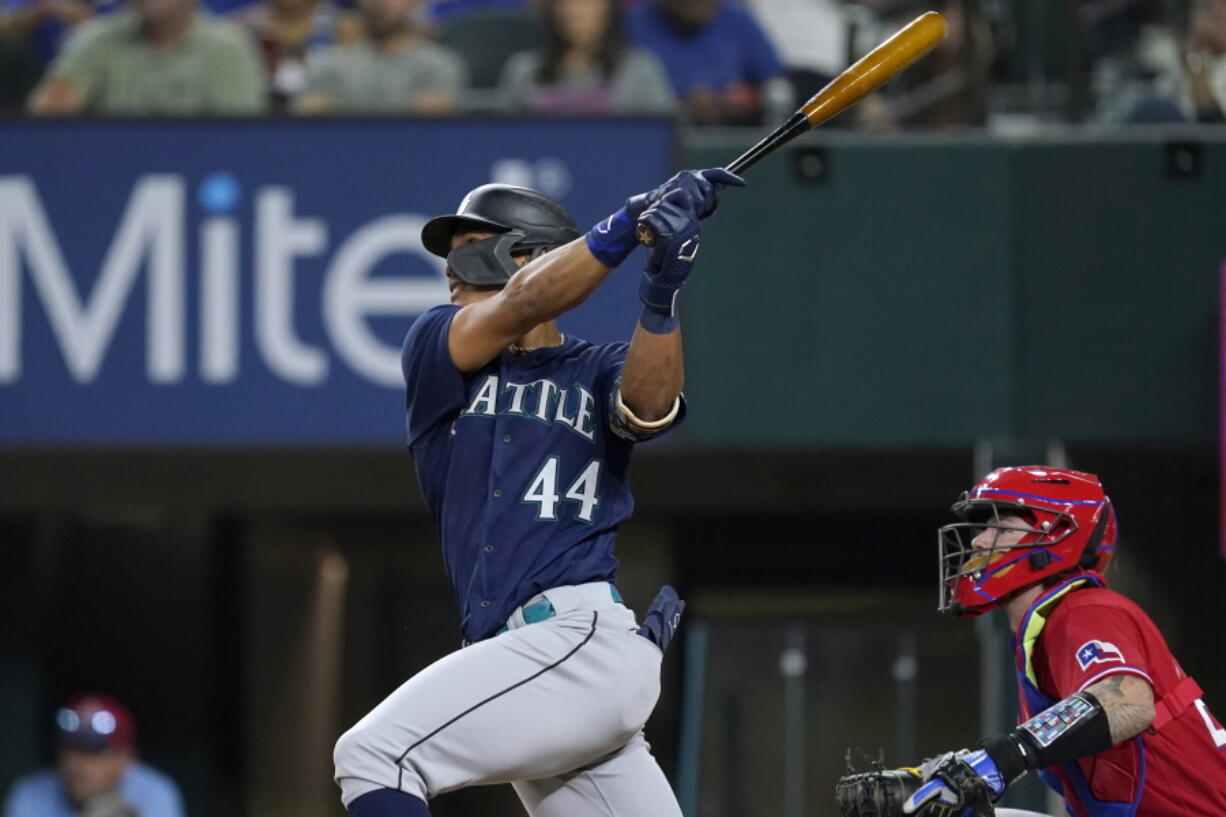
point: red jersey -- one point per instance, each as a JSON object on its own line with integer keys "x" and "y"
{"x": 1179, "y": 769}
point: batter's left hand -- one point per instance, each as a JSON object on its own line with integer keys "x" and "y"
{"x": 957, "y": 784}
{"x": 663, "y": 617}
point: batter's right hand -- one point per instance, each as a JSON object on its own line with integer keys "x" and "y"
{"x": 676, "y": 230}
{"x": 695, "y": 191}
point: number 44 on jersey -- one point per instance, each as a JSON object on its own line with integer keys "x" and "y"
{"x": 543, "y": 490}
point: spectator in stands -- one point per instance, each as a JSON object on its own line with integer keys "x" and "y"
{"x": 1137, "y": 65}
{"x": 394, "y": 68}
{"x": 811, "y": 36}
{"x": 20, "y": 68}
{"x": 1205, "y": 61}
{"x": 720, "y": 62}
{"x": 30, "y": 36}
{"x": 945, "y": 90}
{"x": 442, "y": 11}
{"x": 1168, "y": 75}
{"x": 96, "y": 772}
{"x": 585, "y": 66}
{"x": 45, "y": 23}
{"x": 284, "y": 31}
{"x": 156, "y": 57}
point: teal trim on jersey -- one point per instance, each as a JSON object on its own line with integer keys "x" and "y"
{"x": 534, "y": 613}
{"x": 539, "y": 611}
{"x": 542, "y": 610}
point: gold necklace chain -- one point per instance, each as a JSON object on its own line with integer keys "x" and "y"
{"x": 516, "y": 349}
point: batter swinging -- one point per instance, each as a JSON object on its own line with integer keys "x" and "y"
{"x": 521, "y": 438}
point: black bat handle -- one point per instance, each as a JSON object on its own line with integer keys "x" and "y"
{"x": 789, "y": 130}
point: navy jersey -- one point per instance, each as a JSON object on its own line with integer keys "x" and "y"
{"x": 520, "y": 467}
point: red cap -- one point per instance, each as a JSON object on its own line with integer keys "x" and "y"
{"x": 94, "y": 723}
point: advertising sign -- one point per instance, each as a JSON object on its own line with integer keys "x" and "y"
{"x": 250, "y": 282}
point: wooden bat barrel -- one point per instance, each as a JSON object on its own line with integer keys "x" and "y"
{"x": 876, "y": 67}
{"x": 866, "y": 75}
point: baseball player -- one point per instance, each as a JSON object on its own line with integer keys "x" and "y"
{"x": 1107, "y": 716}
{"x": 97, "y": 772}
{"x": 521, "y": 437}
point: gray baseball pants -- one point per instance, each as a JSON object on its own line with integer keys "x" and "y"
{"x": 555, "y": 708}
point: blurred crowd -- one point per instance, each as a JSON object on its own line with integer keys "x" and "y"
{"x": 708, "y": 62}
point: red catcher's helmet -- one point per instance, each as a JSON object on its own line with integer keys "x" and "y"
{"x": 1069, "y": 525}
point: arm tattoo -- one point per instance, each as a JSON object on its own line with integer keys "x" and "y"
{"x": 1128, "y": 702}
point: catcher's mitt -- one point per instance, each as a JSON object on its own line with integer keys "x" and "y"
{"x": 877, "y": 793}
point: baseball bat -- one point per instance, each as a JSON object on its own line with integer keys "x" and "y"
{"x": 866, "y": 75}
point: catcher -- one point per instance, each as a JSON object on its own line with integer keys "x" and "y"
{"x": 1107, "y": 717}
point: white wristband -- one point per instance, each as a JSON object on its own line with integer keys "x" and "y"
{"x": 646, "y": 425}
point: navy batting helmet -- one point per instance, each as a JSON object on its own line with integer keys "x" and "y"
{"x": 524, "y": 221}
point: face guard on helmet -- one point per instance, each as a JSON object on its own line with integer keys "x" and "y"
{"x": 524, "y": 221}
{"x": 1019, "y": 526}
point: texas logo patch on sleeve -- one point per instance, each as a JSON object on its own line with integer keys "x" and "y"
{"x": 1098, "y": 652}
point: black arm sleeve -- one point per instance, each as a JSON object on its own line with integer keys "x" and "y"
{"x": 1074, "y": 727}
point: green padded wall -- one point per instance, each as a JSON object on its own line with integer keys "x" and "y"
{"x": 1117, "y": 292}
{"x": 932, "y": 291}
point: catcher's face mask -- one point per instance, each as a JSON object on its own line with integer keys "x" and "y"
{"x": 994, "y": 552}
{"x": 1066, "y": 523}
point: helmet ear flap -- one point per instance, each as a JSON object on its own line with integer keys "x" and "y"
{"x": 1039, "y": 560}
{"x": 1089, "y": 557}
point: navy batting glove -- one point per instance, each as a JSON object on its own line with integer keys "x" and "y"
{"x": 957, "y": 784}
{"x": 700, "y": 188}
{"x": 612, "y": 240}
{"x": 672, "y": 257}
{"x": 663, "y": 618}
{"x": 707, "y": 184}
